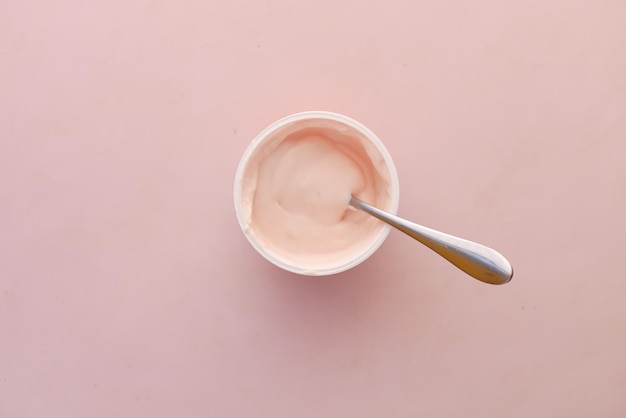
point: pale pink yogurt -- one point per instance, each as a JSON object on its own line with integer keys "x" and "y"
{"x": 293, "y": 187}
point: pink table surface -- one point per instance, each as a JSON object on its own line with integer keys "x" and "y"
{"x": 128, "y": 290}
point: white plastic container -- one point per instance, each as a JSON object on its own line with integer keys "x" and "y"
{"x": 344, "y": 125}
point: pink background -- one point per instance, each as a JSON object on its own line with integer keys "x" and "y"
{"x": 128, "y": 290}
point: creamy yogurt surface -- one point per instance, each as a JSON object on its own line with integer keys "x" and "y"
{"x": 296, "y": 192}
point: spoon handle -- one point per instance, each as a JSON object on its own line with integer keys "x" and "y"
{"x": 480, "y": 262}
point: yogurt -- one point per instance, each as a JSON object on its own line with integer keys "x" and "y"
{"x": 293, "y": 186}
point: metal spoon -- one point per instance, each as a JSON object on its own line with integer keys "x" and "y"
{"x": 480, "y": 262}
